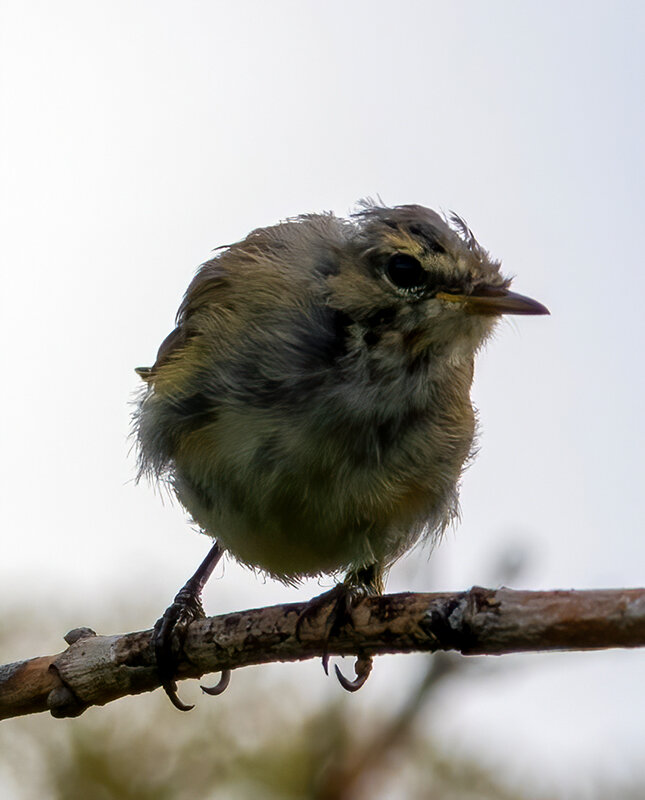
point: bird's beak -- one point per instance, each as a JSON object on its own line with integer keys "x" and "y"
{"x": 488, "y": 300}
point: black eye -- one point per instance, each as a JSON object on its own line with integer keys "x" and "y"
{"x": 406, "y": 272}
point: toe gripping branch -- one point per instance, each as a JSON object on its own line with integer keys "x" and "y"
{"x": 169, "y": 633}
{"x": 340, "y": 600}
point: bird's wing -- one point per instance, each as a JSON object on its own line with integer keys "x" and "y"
{"x": 174, "y": 341}
{"x": 205, "y": 291}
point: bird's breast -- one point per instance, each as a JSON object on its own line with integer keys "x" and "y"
{"x": 295, "y": 497}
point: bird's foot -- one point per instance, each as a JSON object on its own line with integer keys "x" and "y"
{"x": 337, "y": 604}
{"x": 169, "y": 633}
{"x": 334, "y": 608}
{"x": 168, "y": 637}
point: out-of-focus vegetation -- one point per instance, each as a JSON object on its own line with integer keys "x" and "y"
{"x": 266, "y": 737}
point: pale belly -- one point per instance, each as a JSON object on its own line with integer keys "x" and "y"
{"x": 292, "y": 503}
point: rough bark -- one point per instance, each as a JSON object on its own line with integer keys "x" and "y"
{"x": 95, "y": 670}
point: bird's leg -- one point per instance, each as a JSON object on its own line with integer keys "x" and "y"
{"x": 358, "y": 584}
{"x": 170, "y": 630}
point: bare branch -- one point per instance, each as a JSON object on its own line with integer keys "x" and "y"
{"x": 95, "y": 670}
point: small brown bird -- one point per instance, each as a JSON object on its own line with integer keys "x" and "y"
{"x": 312, "y": 409}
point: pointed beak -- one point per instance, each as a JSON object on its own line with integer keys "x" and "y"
{"x": 493, "y": 301}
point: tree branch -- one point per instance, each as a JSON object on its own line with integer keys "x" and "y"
{"x": 95, "y": 670}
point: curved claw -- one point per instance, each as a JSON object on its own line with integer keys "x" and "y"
{"x": 362, "y": 668}
{"x": 221, "y": 685}
{"x": 162, "y": 638}
{"x": 171, "y": 690}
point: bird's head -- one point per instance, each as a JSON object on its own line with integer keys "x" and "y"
{"x": 417, "y": 281}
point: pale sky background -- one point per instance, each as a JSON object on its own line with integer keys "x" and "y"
{"x": 137, "y": 136}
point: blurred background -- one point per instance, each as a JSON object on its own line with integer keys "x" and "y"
{"x": 138, "y": 136}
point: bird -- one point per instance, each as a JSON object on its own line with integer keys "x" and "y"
{"x": 311, "y": 409}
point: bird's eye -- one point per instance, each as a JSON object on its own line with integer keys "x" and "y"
{"x": 405, "y": 272}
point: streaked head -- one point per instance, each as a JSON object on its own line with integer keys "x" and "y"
{"x": 426, "y": 277}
